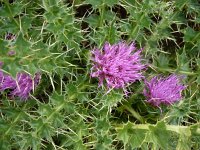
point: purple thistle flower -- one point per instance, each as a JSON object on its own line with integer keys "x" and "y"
{"x": 11, "y": 53}
{"x": 25, "y": 84}
{"x": 21, "y": 87}
{"x": 117, "y": 64}
{"x": 6, "y": 82}
{"x": 10, "y": 36}
{"x": 164, "y": 90}
{"x": 37, "y": 79}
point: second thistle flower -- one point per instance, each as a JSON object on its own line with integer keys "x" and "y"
{"x": 20, "y": 87}
{"x": 117, "y": 64}
{"x": 164, "y": 90}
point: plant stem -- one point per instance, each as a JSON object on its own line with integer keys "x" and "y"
{"x": 102, "y": 14}
{"x": 134, "y": 113}
{"x": 173, "y": 128}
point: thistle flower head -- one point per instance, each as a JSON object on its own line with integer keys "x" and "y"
{"x": 10, "y": 36}
{"x": 21, "y": 87}
{"x": 6, "y": 82}
{"x": 164, "y": 90}
{"x": 11, "y": 53}
{"x": 25, "y": 85}
{"x": 117, "y": 64}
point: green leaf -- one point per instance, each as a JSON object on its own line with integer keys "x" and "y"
{"x": 70, "y": 108}
{"x": 198, "y": 79}
{"x": 111, "y": 99}
{"x": 30, "y": 140}
{"x": 137, "y": 138}
{"x": 110, "y": 17}
{"x": 48, "y": 4}
{"x": 123, "y": 133}
{"x": 55, "y": 28}
{"x": 82, "y": 97}
{"x": 57, "y": 99}
{"x": 58, "y": 120}
{"x": 30, "y": 66}
{"x": 11, "y": 10}
{"x": 159, "y": 135}
{"x": 181, "y": 3}
{"x": 10, "y": 26}
{"x": 4, "y": 144}
{"x": 184, "y": 142}
{"x": 182, "y": 62}
{"x": 102, "y": 125}
{"x": 3, "y": 48}
{"x": 103, "y": 142}
{"x": 26, "y": 23}
{"x": 47, "y": 64}
{"x": 132, "y": 2}
{"x": 190, "y": 35}
{"x": 163, "y": 61}
{"x": 194, "y": 128}
{"x": 53, "y": 15}
{"x": 36, "y": 123}
{"x": 12, "y": 68}
{"x": 43, "y": 129}
{"x": 93, "y": 20}
{"x": 182, "y": 58}
{"x": 72, "y": 90}
{"x": 79, "y": 146}
{"x": 22, "y": 46}
{"x": 95, "y": 3}
{"x": 141, "y": 18}
{"x": 179, "y": 17}
{"x": 45, "y": 110}
{"x": 15, "y": 113}
{"x": 111, "y": 33}
{"x": 3, "y": 127}
{"x": 111, "y": 2}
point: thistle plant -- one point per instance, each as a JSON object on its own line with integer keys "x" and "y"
{"x": 117, "y": 65}
{"x": 49, "y": 50}
{"x": 164, "y": 90}
{"x": 21, "y": 87}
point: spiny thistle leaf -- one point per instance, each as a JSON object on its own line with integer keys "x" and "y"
{"x": 159, "y": 135}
